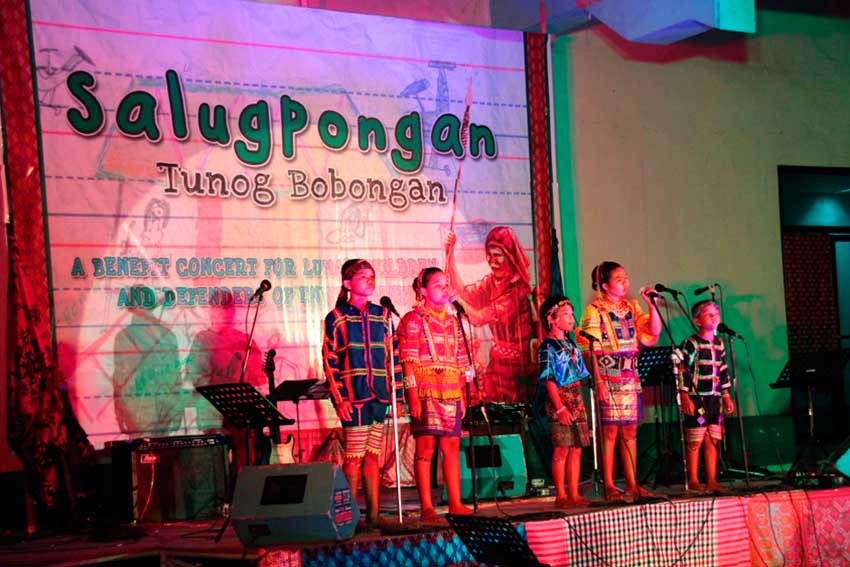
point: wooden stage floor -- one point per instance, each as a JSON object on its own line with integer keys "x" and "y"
{"x": 192, "y": 543}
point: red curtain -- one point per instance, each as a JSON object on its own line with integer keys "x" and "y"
{"x": 34, "y": 401}
{"x": 541, "y": 171}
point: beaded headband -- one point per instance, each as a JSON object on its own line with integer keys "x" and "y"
{"x": 554, "y": 308}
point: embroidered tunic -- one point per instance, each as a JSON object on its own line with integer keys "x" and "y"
{"x": 560, "y": 362}
{"x": 706, "y": 373}
{"x": 355, "y": 355}
{"x": 621, "y": 328}
{"x": 433, "y": 345}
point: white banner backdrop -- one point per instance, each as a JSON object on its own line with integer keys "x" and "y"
{"x": 193, "y": 149}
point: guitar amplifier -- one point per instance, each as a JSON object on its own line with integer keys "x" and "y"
{"x": 179, "y": 478}
{"x": 500, "y": 469}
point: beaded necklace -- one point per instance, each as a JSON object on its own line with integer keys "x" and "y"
{"x": 440, "y": 317}
{"x": 567, "y": 347}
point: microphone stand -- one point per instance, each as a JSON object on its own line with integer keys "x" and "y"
{"x": 677, "y": 359}
{"x": 470, "y": 429}
{"x": 394, "y": 400}
{"x": 250, "y": 337}
{"x": 684, "y": 310}
{"x": 248, "y": 452}
{"x": 733, "y": 375}
{"x": 676, "y": 370}
{"x": 597, "y": 440}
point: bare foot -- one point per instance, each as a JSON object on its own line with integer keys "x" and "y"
{"x": 429, "y": 516}
{"x": 640, "y": 493}
{"x": 383, "y": 523}
{"x": 716, "y": 487}
{"x": 366, "y": 525}
{"x": 460, "y": 510}
{"x": 562, "y": 503}
{"x": 578, "y": 501}
{"x": 696, "y": 488}
{"x": 613, "y": 494}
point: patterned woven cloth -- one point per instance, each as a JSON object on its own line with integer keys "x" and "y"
{"x": 680, "y": 533}
{"x": 780, "y": 528}
{"x": 800, "y": 528}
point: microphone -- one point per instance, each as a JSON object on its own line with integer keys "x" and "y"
{"x": 661, "y": 288}
{"x": 588, "y": 336}
{"x": 387, "y": 304}
{"x": 653, "y": 295}
{"x": 702, "y": 290}
{"x": 265, "y": 285}
{"x": 456, "y": 304}
{"x": 722, "y": 328}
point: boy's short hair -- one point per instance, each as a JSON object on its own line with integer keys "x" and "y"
{"x": 696, "y": 310}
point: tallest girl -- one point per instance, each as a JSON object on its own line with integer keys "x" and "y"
{"x": 620, "y": 327}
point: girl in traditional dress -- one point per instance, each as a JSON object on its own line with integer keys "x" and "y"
{"x": 434, "y": 362}
{"x": 619, "y": 327}
{"x": 561, "y": 372}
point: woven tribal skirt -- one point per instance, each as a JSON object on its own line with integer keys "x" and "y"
{"x": 623, "y": 406}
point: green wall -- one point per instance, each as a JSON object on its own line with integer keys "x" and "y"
{"x": 667, "y": 162}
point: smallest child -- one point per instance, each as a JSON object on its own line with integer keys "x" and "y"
{"x": 561, "y": 371}
{"x": 704, "y": 389}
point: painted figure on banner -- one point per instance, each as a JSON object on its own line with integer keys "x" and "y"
{"x": 146, "y": 375}
{"x": 356, "y": 349}
{"x": 216, "y": 357}
{"x": 503, "y": 301}
{"x": 441, "y": 106}
{"x": 53, "y": 67}
{"x": 146, "y": 378}
{"x": 619, "y": 327}
{"x": 435, "y": 366}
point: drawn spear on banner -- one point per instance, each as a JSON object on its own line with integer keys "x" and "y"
{"x": 464, "y": 140}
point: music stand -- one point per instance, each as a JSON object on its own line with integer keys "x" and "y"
{"x": 493, "y": 541}
{"x": 246, "y": 408}
{"x": 655, "y": 368}
{"x": 809, "y": 371}
{"x": 654, "y": 365}
{"x": 243, "y": 405}
{"x": 294, "y": 391}
{"x": 784, "y": 378}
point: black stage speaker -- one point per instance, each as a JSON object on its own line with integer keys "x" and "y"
{"x": 179, "y": 478}
{"x": 293, "y": 503}
{"x": 115, "y": 483}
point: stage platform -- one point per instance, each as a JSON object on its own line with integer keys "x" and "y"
{"x": 767, "y": 525}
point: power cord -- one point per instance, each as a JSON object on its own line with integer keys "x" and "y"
{"x": 150, "y": 491}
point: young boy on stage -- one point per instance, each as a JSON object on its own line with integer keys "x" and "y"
{"x": 356, "y": 348}
{"x": 704, "y": 394}
{"x": 561, "y": 372}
